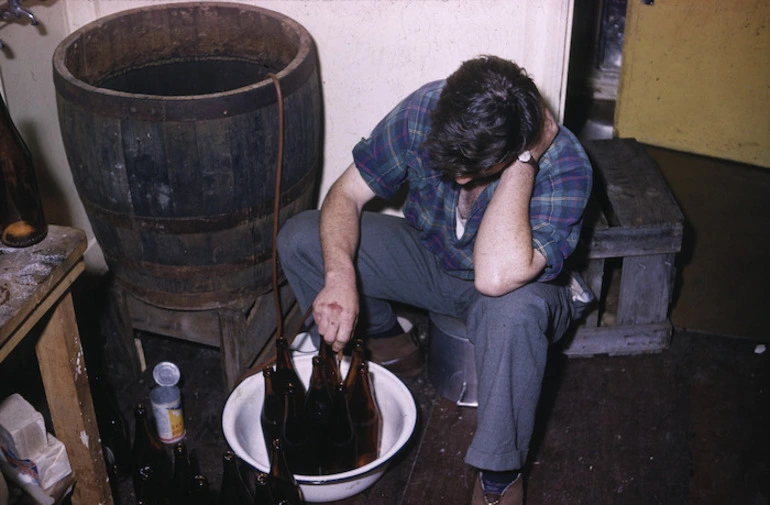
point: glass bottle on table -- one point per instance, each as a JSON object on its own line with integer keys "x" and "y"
{"x": 23, "y": 222}
{"x": 365, "y": 416}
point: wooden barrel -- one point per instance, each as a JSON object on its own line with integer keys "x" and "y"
{"x": 170, "y": 124}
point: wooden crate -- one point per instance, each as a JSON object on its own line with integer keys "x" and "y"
{"x": 633, "y": 231}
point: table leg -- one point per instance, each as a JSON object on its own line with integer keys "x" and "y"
{"x": 62, "y": 366}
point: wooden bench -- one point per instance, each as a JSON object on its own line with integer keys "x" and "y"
{"x": 632, "y": 233}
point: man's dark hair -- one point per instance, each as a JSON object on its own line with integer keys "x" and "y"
{"x": 488, "y": 112}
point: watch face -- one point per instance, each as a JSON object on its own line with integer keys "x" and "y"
{"x": 525, "y": 157}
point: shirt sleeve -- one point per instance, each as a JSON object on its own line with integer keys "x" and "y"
{"x": 382, "y": 158}
{"x": 559, "y": 199}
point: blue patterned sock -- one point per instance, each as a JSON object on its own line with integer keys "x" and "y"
{"x": 496, "y": 482}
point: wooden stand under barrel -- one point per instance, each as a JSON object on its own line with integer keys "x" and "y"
{"x": 241, "y": 330}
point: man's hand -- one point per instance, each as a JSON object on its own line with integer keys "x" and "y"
{"x": 547, "y": 134}
{"x": 335, "y": 311}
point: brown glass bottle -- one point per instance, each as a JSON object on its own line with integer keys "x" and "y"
{"x": 331, "y": 369}
{"x": 200, "y": 493}
{"x": 318, "y": 413}
{"x": 180, "y": 484}
{"x": 365, "y": 416}
{"x": 262, "y": 489}
{"x": 23, "y": 223}
{"x": 296, "y": 439}
{"x": 341, "y": 435}
{"x": 284, "y": 369}
{"x": 232, "y": 490}
{"x": 272, "y": 413}
{"x": 146, "y": 489}
{"x": 148, "y": 451}
{"x": 357, "y": 356}
{"x": 283, "y": 487}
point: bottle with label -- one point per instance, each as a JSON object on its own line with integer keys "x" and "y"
{"x": 272, "y": 413}
{"x": 149, "y": 452}
{"x": 232, "y": 490}
{"x": 318, "y": 412}
{"x": 365, "y": 416}
{"x": 166, "y": 402}
{"x": 22, "y": 220}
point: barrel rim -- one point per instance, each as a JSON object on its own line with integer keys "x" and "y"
{"x": 177, "y": 108}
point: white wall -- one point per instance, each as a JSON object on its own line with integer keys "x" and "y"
{"x": 372, "y": 53}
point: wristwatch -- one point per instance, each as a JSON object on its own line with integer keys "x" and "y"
{"x": 526, "y": 157}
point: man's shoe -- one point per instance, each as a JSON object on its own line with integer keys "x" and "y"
{"x": 400, "y": 354}
{"x": 512, "y": 495}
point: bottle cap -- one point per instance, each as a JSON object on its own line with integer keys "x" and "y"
{"x": 166, "y": 373}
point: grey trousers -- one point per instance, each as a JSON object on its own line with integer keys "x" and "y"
{"x": 510, "y": 333}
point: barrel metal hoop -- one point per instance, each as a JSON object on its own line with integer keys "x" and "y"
{"x": 197, "y": 224}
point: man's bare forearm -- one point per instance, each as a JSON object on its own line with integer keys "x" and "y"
{"x": 504, "y": 259}
{"x": 335, "y": 309}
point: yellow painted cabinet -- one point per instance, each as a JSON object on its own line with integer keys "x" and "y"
{"x": 696, "y": 77}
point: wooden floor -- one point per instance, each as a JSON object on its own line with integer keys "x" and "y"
{"x": 687, "y": 426}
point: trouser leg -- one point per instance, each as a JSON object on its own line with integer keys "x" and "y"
{"x": 511, "y": 335}
{"x": 391, "y": 265}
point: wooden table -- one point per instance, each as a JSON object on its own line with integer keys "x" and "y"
{"x": 35, "y": 302}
